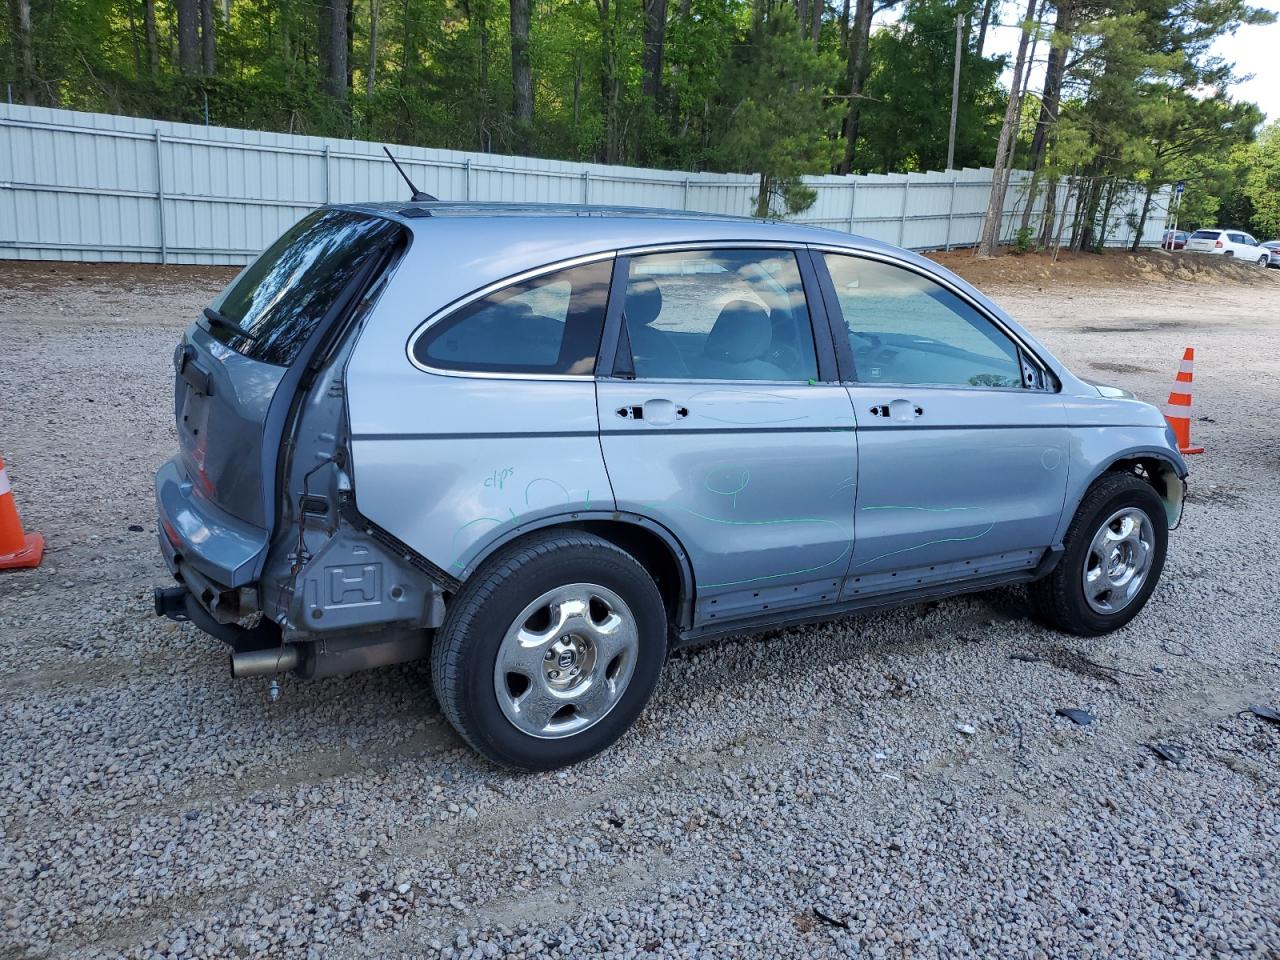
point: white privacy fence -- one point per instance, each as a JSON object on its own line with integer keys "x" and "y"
{"x": 89, "y": 186}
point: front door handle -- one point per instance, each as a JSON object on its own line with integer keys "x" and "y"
{"x": 900, "y": 410}
{"x": 658, "y": 412}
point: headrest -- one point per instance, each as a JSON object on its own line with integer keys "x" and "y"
{"x": 742, "y": 332}
{"x": 644, "y": 301}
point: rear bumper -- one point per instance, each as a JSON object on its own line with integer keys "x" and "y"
{"x": 196, "y": 534}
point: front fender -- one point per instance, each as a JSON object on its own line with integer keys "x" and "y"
{"x": 1099, "y": 450}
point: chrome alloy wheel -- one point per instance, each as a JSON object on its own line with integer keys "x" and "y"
{"x": 1118, "y": 561}
{"x": 566, "y": 660}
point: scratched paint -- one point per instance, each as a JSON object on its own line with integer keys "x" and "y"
{"x": 539, "y": 493}
{"x": 927, "y": 543}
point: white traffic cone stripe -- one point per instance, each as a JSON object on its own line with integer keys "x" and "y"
{"x": 4, "y": 481}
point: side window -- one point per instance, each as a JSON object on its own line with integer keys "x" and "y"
{"x": 719, "y": 315}
{"x": 546, "y": 325}
{"x": 906, "y": 328}
{"x": 1236, "y": 237}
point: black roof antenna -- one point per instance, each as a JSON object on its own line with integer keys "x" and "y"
{"x": 416, "y": 194}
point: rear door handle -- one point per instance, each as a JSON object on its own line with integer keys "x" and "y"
{"x": 901, "y": 410}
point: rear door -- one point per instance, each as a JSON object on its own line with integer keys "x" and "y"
{"x": 723, "y": 423}
{"x": 962, "y": 444}
{"x": 237, "y": 370}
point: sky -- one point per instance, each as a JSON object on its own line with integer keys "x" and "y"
{"x": 1251, "y": 49}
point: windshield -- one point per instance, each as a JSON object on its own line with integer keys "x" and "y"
{"x": 280, "y": 298}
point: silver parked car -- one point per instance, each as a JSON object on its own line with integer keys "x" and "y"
{"x": 544, "y": 445}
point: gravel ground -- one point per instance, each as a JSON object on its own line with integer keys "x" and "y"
{"x": 891, "y": 786}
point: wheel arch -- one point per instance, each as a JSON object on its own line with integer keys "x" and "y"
{"x": 656, "y": 548}
{"x": 1162, "y": 469}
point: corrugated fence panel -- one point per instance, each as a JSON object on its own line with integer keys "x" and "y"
{"x": 85, "y": 186}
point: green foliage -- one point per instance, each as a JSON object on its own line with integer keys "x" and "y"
{"x": 1023, "y": 242}
{"x": 745, "y": 87}
{"x": 908, "y": 108}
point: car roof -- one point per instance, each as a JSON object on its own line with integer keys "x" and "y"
{"x": 612, "y": 226}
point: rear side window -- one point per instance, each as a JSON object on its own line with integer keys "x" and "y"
{"x": 1205, "y": 235}
{"x": 549, "y": 324}
{"x": 281, "y": 297}
{"x": 719, "y": 315}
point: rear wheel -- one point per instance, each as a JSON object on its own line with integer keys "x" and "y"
{"x": 550, "y": 651}
{"x": 1114, "y": 553}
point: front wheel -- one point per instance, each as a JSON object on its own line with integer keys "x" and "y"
{"x": 550, "y": 651}
{"x": 1114, "y": 553}
{"x": 1263, "y": 261}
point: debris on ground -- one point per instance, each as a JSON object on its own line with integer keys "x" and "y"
{"x": 1081, "y": 718}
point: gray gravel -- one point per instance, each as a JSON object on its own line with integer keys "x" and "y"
{"x": 892, "y": 786}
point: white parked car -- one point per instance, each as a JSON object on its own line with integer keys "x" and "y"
{"x": 1229, "y": 243}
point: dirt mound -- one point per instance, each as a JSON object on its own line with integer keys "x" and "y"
{"x": 1093, "y": 269}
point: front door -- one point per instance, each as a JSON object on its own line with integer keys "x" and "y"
{"x": 963, "y": 446}
{"x": 721, "y": 427}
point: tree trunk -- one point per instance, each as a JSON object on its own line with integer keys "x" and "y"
{"x": 188, "y": 13}
{"x": 987, "y": 8}
{"x": 859, "y": 65}
{"x": 208, "y": 42}
{"x": 24, "y": 52}
{"x": 1050, "y": 208}
{"x": 332, "y": 48}
{"x": 815, "y": 22}
{"x": 153, "y": 39}
{"x": 371, "y": 77}
{"x": 1105, "y": 226}
{"x": 990, "y": 236}
{"x": 351, "y": 47}
{"x": 762, "y": 198}
{"x": 610, "y": 92}
{"x": 521, "y": 72}
{"x": 655, "y": 38}
{"x": 1142, "y": 218}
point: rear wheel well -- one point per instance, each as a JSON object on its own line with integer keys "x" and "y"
{"x": 1163, "y": 477}
{"x": 654, "y": 554}
{"x": 649, "y": 549}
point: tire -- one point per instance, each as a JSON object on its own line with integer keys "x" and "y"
{"x": 533, "y": 630}
{"x": 1264, "y": 261}
{"x": 1060, "y": 600}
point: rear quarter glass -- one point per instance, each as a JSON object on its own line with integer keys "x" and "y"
{"x": 282, "y": 296}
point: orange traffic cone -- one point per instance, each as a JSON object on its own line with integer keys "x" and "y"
{"x": 17, "y": 549}
{"x": 1178, "y": 410}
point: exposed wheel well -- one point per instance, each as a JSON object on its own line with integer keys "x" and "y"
{"x": 655, "y": 555}
{"x": 652, "y": 551}
{"x": 1163, "y": 477}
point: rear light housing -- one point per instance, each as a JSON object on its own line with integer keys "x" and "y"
{"x": 1218, "y": 244}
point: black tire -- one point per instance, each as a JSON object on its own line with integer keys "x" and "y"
{"x": 1264, "y": 262}
{"x": 465, "y": 650}
{"x": 1058, "y": 600}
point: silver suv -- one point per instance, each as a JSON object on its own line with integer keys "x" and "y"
{"x": 545, "y": 445}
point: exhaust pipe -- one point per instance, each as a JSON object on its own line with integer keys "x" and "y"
{"x": 261, "y": 663}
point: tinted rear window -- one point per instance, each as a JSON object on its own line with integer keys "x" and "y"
{"x": 1206, "y": 235}
{"x": 283, "y": 295}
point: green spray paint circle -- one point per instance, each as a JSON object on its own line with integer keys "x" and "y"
{"x": 728, "y": 480}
